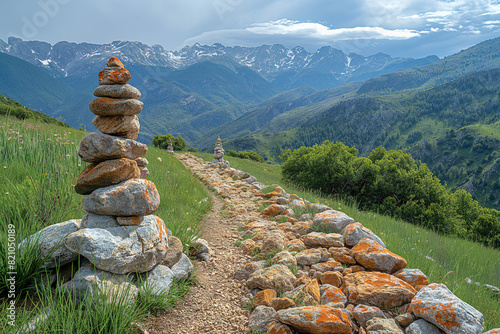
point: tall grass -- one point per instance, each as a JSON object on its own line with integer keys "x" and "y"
{"x": 183, "y": 200}
{"x": 443, "y": 259}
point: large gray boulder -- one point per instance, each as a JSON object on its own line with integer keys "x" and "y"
{"x": 122, "y": 249}
{"x": 436, "y": 304}
{"x": 260, "y": 318}
{"x": 134, "y": 197}
{"x": 353, "y": 234}
{"x": 52, "y": 237}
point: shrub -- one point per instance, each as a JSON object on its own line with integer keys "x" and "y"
{"x": 249, "y": 155}
{"x": 161, "y": 141}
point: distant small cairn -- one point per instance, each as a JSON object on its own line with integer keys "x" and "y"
{"x": 219, "y": 154}
{"x": 170, "y": 148}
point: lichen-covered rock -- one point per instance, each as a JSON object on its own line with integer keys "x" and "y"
{"x": 331, "y": 294}
{"x": 334, "y": 278}
{"x": 405, "y": 319}
{"x": 277, "y": 327}
{"x": 130, "y": 221}
{"x": 121, "y": 126}
{"x": 277, "y": 277}
{"x": 372, "y": 256}
{"x": 420, "y": 326}
{"x": 96, "y": 147}
{"x": 265, "y": 297}
{"x": 260, "y": 318}
{"x": 382, "y": 326}
{"x": 436, "y": 304}
{"x": 342, "y": 255}
{"x": 493, "y": 331}
{"x": 377, "y": 289}
{"x": 248, "y": 269}
{"x": 295, "y": 245}
{"x": 308, "y": 257}
{"x": 318, "y": 239}
{"x": 113, "y": 76}
{"x": 415, "y": 277}
{"x": 319, "y": 207}
{"x": 106, "y": 173}
{"x": 353, "y": 234}
{"x": 122, "y": 249}
{"x": 320, "y": 319}
{"x": 134, "y": 197}
{"x": 285, "y": 258}
{"x": 274, "y": 210}
{"x": 363, "y": 313}
{"x": 52, "y": 237}
{"x": 334, "y": 220}
{"x": 327, "y": 266}
{"x": 281, "y": 303}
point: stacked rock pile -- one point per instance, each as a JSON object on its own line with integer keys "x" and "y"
{"x": 219, "y": 154}
{"x": 170, "y": 147}
{"x": 119, "y": 237}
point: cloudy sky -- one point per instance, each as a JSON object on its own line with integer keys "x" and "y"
{"x": 408, "y": 28}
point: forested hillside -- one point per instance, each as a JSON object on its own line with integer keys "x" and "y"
{"x": 453, "y": 128}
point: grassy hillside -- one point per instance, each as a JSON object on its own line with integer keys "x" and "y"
{"x": 31, "y": 85}
{"x": 450, "y": 127}
{"x": 443, "y": 259}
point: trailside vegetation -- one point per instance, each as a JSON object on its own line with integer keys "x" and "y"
{"x": 392, "y": 183}
{"x": 161, "y": 141}
{"x": 249, "y": 155}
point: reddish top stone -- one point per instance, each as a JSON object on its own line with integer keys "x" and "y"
{"x": 114, "y": 62}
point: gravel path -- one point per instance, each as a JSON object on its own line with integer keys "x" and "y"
{"x": 214, "y": 305}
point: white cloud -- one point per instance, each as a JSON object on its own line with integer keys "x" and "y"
{"x": 322, "y": 32}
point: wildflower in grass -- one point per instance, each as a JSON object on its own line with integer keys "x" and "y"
{"x": 4, "y": 166}
{"x": 7, "y": 193}
{"x": 68, "y": 155}
{"x": 159, "y": 159}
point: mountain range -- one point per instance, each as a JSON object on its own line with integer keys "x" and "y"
{"x": 269, "y": 97}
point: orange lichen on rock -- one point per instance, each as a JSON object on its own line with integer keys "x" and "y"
{"x": 320, "y": 319}
{"x": 114, "y": 62}
{"x": 373, "y": 256}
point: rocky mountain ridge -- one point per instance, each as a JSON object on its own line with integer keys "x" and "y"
{"x": 287, "y": 68}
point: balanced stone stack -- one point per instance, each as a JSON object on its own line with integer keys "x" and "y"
{"x": 170, "y": 148}
{"x": 219, "y": 154}
{"x": 118, "y": 234}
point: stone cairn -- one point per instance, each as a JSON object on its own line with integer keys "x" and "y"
{"x": 118, "y": 237}
{"x": 219, "y": 154}
{"x": 170, "y": 148}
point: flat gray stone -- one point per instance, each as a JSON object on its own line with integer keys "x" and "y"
{"x": 134, "y": 197}
{"x": 122, "y": 249}
{"x": 421, "y": 326}
{"x": 97, "y": 147}
{"x": 260, "y": 318}
{"x": 182, "y": 268}
{"x": 334, "y": 220}
{"x": 118, "y": 91}
{"x": 53, "y": 236}
{"x": 92, "y": 220}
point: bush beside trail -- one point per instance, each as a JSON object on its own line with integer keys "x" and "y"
{"x": 392, "y": 183}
